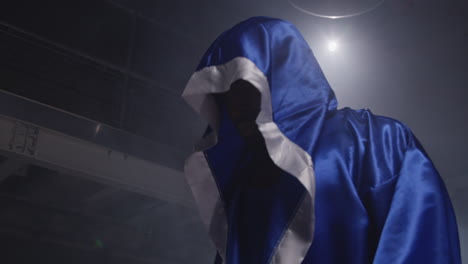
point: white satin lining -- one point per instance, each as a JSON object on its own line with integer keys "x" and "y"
{"x": 297, "y": 239}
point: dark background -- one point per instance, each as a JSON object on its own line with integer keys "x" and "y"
{"x": 124, "y": 64}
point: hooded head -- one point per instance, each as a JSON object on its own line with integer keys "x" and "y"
{"x": 269, "y": 53}
{"x": 293, "y": 100}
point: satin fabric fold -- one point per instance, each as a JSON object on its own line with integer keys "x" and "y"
{"x": 368, "y": 190}
{"x": 379, "y": 198}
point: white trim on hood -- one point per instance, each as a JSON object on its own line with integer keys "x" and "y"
{"x": 296, "y": 240}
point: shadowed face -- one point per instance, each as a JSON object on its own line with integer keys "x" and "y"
{"x": 242, "y": 103}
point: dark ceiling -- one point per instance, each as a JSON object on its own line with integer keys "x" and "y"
{"x": 124, "y": 64}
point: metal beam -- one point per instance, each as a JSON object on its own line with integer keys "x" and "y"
{"x": 41, "y": 115}
{"x": 78, "y": 157}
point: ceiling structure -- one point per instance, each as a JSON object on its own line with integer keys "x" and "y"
{"x": 94, "y": 132}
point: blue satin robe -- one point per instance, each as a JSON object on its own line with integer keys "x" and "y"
{"x": 378, "y": 197}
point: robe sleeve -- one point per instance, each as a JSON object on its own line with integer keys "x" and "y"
{"x": 411, "y": 214}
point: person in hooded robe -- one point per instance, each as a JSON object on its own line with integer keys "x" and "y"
{"x": 282, "y": 176}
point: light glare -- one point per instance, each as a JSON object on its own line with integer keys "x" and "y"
{"x": 332, "y": 46}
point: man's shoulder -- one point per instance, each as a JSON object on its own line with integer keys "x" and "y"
{"x": 366, "y": 125}
{"x": 366, "y": 118}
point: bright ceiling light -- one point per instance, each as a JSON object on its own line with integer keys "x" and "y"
{"x": 332, "y": 46}
{"x": 335, "y": 8}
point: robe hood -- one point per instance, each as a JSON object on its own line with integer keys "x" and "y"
{"x": 272, "y": 55}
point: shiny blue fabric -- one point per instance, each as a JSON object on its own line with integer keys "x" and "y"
{"x": 379, "y": 198}
{"x": 257, "y": 216}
